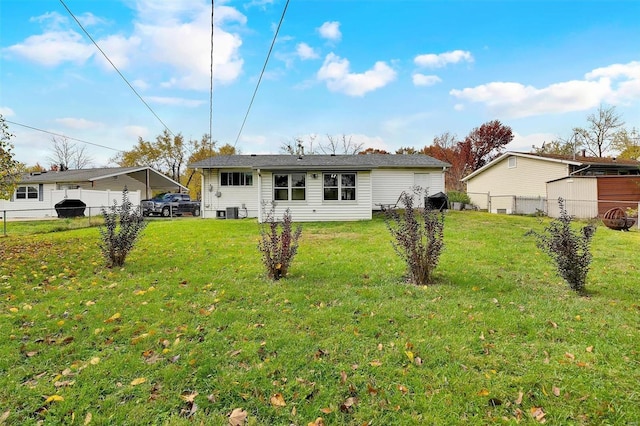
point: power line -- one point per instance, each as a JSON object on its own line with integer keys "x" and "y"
{"x": 264, "y": 67}
{"x": 116, "y": 68}
{"x": 63, "y": 136}
{"x": 211, "y": 84}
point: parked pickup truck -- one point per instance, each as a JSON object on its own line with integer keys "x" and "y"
{"x": 170, "y": 205}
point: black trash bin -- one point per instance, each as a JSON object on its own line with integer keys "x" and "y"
{"x": 438, "y": 201}
{"x": 70, "y": 208}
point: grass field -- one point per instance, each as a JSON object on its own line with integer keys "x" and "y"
{"x": 190, "y": 330}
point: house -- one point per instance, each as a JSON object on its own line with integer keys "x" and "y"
{"x": 37, "y": 193}
{"x": 517, "y": 182}
{"x": 313, "y": 187}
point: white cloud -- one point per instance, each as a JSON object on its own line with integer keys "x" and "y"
{"x": 88, "y": 19}
{"x": 305, "y": 51}
{"x": 140, "y": 84}
{"x": 135, "y": 132}
{"x": 53, "y": 48}
{"x": 440, "y": 60}
{"x": 51, "y": 20}
{"x": 330, "y": 31}
{"x": 119, "y": 49}
{"x": 525, "y": 143}
{"x": 78, "y": 123}
{"x": 189, "y": 103}
{"x": 398, "y": 124}
{"x": 618, "y": 83}
{"x": 6, "y": 112}
{"x": 375, "y": 142}
{"x": 425, "y": 80}
{"x": 335, "y": 71}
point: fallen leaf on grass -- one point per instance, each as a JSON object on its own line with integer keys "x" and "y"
{"x": 326, "y": 410}
{"x": 538, "y": 414}
{"x": 318, "y": 422}
{"x": 589, "y": 349}
{"x": 403, "y": 389}
{"x": 277, "y": 400}
{"x": 64, "y": 383}
{"x": 343, "y": 377}
{"x": 189, "y": 396}
{"x": 53, "y": 398}
{"x": 375, "y": 363}
{"x": 518, "y": 401}
{"x": 94, "y": 361}
{"x": 88, "y": 418}
{"x": 4, "y": 416}
{"x": 483, "y": 392}
{"x": 138, "y": 381}
{"x": 345, "y": 407}
{"x": 237, "y": 417}
{"x": 569, "y": 355}
{"x": 113, "y": 318}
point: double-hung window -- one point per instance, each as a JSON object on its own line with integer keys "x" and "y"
{"x": 289, "y": 186}
{"x": 27, "y": 193}
{"x": 236, "y": 178}
{"x": 339, "y": 186}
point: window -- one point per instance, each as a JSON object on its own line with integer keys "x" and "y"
{"x": 512, "y": 162}
{"x": 236, "y": 179}
{"x": 339, "y": 186}
{"x": 27, "y": 193}
{"x": 291, "y": 186}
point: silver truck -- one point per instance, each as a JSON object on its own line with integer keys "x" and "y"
{"x": 169, "y": 205}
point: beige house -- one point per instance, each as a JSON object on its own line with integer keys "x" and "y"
{"x": 517, "y": 183}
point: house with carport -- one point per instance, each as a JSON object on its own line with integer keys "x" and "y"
{"x": 313, "y": 187}
{"x": 37, "y": 193}
{"x": 525, "y": 183}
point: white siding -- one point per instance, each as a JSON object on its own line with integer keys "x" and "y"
{"x": 580, "y": 195}
{"x": 314, "y": 208}
{"x": 388, "y": 184}
{"x": 528, "y": 179}
{"x": 94, "y": 200}
{"x": 216, "y": 197}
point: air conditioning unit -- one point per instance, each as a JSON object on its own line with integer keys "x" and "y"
{"x": 232, "y": 212}
{"x": 221, "y": 214}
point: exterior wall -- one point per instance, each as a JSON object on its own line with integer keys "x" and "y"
{"x": 528, "y": 178}
{"x": 314, "y": 208}
{"x": 580, "y": 193}
{"x": 388, "y": 184}
{"x": 216, "y": 197}
{"x": 94, "y": 200}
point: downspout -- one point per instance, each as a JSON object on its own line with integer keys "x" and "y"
{"x": 146, "y": 189}
{"x": 203, "y": 202}
{"x": 259, "y": 196}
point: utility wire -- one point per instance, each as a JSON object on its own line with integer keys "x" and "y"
{"x": 63, "y": 136}
{"x": 273, "y": 42}
{"x": 211, "y": 85}
{"x": 116, "y": 68}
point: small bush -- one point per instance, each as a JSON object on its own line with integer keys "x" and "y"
{"x": 118, "y": 241}
{"x": 278, "y": 243}
{"x": 569, "y": 249}
{"x": 458, "y": 197}
{"x": 418, "y": 237}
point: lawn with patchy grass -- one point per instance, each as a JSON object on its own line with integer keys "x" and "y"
{"x": 191, "y": 330}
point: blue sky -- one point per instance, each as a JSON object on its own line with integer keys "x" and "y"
{"x": 387, "y": 73}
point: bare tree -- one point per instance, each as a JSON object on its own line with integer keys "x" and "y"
{"x": 68, "y": 155}
{"x": 599, "y": 136}
{"x": 342, "y": 144}
{"x": 300, "y": 145}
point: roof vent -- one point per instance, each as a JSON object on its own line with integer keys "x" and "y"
{"x": 333, "y": 155}
{"x": 253, "y": 155}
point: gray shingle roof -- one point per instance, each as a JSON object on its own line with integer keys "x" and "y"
{"x": 292, "y": 162}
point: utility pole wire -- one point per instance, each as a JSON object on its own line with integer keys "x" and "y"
{"x": 211, "y": 85}
{"x": 264, "y": 67}
{"x": 63, "y": 136}
{"x": 116, "y": 68}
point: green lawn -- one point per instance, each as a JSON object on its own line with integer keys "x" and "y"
{"x": 190, "y": 329}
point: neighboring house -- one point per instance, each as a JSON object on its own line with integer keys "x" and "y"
{"x": 517, "y": 182}
{"x": 313, "y": 187}
{"x": 37, "y": 193}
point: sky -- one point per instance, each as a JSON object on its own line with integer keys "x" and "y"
{"x": 385, "y": 73}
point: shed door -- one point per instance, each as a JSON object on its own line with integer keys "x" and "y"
{"x": 423, "y": 180}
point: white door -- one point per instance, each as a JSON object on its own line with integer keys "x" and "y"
{"x": 423, "y": 180}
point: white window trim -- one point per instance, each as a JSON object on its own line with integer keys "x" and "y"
{"x": 290, "y": 187}
{"x": 339, "y": 176}
{"x": 37, "y": 197}
{"x": 515, "y": 163}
